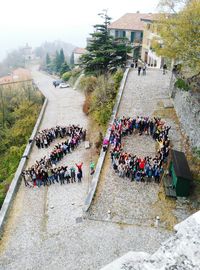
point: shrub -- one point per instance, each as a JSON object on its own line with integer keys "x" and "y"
{"x": 196, "y": 152}
{"x": 86, "y": 104}
{"x": 117, "y": 77}
{"x": 2, "y": 196}
{"x": 74, "y": 75}
{"x": 75, "y": 72}
{"x": 88, "y": 84}
{"x": 103, "y": 99}
{"x": 100, "y": 95}
{"x": 181, "y": 84}
{"x": 66, "y": 76}
{"x": 98, "y": 143}
{"x": 22, "y": 104}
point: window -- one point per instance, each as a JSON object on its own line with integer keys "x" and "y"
{"x": 138, "y": 35}
{"x": 120, "y": 33}
{"x": 132, "y": 36}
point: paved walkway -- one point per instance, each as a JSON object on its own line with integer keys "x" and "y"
{"x": 131, "y": 202}
{"x": 45, "y": 228}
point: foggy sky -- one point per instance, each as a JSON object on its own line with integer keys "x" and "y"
{"x": 36, "y": 21}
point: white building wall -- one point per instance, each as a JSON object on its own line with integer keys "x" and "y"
{"x": 77, "y": 58}
{"x": 152, "y": 57}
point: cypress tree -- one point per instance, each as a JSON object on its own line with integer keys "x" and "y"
{"x": 48, "y": 59}
{"x": 62, "y": 57}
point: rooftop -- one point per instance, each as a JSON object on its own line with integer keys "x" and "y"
{"x": 131, "y": 21}
{"x": 79, "y": 50}
{"x": 18, "y": 74}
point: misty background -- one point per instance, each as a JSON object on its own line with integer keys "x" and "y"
{"x": 34, "y": 22}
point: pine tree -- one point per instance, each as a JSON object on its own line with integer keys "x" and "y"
{"x": 104, "y": 53}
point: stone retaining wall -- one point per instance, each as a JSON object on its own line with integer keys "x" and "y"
{"x": 187, "y": 106}
{"x": 16, "y": 180}
{"x": 101, "y": 159}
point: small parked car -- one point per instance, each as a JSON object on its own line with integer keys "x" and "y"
{"x": 64, "y": 85}
{"x": 57, "y": 82}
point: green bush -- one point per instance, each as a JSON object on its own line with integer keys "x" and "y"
{"x": 103, "y": 97}
{"x": 66, "y": 76}
{"x": 103, "y": 114}
{"x": 2, "y": 196}
{"x": 100, "y": 95}
{"x": 88, "y": 84}
{"x": 181, "y": 84}
{"x": 117, "y": 77}
{"x": 76, "y": 72}
{"x": 196, "y": 152}
{"x": 22, "y": 104}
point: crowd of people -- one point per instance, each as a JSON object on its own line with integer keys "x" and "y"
{"x": 47, "y": 136}
{"x": 44, "y": 172}
{"x": 126, "y": 164}
{"x": 41, "y": 175}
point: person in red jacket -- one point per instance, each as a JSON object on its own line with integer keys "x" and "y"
{"x": 142, "y": 164}
{"x": 80, "y": 172}
{"x": 79, "y": 166}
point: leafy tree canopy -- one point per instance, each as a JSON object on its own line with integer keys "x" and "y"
{"x": 180, "y": 34}
{"x": 172, "y": 6}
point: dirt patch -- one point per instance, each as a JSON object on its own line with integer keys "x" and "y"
{"x": 164, "y": 207}
{"x": 194, "y": 164}
{"x": 166, "y": 113}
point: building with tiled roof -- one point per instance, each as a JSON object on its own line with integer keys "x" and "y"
{"x": 6, "y": 79}
{"x": 149, "y": 55}
{"x": 79, "y": 50}
{"x": 19, "y": 74}
{"x": 131, "y": 21}
{"x": 131, "y": 26}
{"x": 77, "y": 53}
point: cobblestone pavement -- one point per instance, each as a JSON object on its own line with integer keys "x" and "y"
{"x": 45, "y": 228}
{"x": 131, "y": 202}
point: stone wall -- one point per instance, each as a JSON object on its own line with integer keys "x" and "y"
{"x": 187, "y": 106}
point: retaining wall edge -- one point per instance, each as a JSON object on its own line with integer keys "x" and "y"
{"x": 101, "y": 159}
{"x": 16, "y": 180}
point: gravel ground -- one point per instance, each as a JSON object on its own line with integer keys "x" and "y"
{"x": 45, "y": 228}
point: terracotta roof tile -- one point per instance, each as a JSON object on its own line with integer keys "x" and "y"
{"x": 18, "y": 74}
{"x": 131, "y": 21}
{"x": 79, "y": 50}
{"x": 22, "y": 73}
{"x": 6, "y": 79}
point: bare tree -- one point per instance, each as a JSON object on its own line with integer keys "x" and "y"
{"x": 172, "y": 6}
